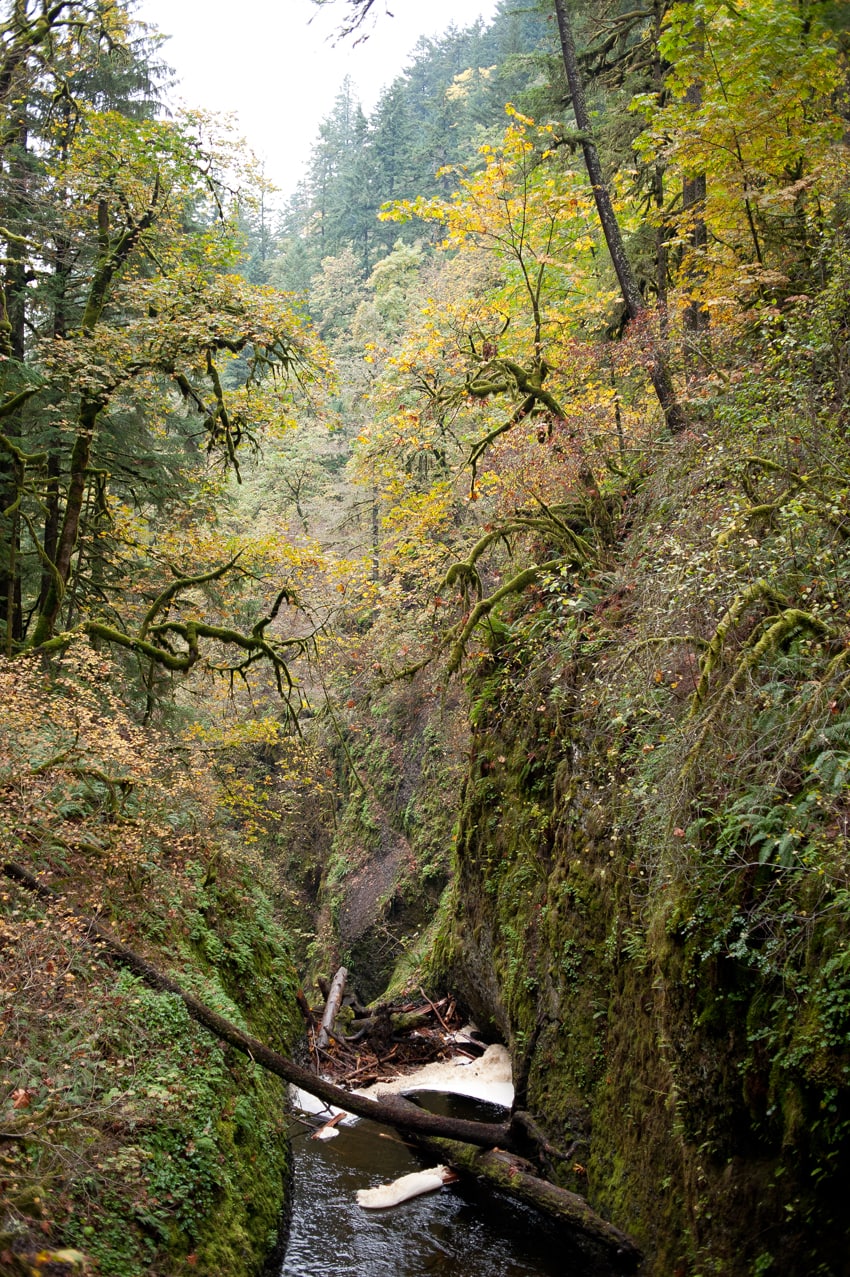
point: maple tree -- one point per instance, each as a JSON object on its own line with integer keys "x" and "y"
{"x": 762, "y": 134}
{"x": 157, "y": 329}
{"x": 506, "y": 370}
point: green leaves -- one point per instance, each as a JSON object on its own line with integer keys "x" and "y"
{"x": 750, "y": 107}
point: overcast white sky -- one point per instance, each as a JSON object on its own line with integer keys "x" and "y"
{"x": 274, "y": 62}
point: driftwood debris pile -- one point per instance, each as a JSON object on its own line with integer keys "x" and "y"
{"x": 355, "y": 1046}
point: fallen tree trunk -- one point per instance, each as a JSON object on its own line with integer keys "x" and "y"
{"x": 332, "y": 1005}
{"x": 393, "y": 1111}
{"x": 392, "y": 1021}
{"x": 458, "y": 1142}
{"x": 515, "y": 1176}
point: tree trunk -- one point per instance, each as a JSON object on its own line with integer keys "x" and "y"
{"x": 662, "y": 233}
{"x": 658, "y": 371}
{"x": 331, "y": 1008}
{"x": 52, "y": 512}
{"x": 392, "y": 1110}
{"x": 70, "y": 527}
{"x": 693, "y": 206}
{"x": 114, "y": 254}
{"x": 16, "y": 214}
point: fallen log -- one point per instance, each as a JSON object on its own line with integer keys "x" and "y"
{"x": 332, "y": 1005}
{"x": 453, "y": 1140}
{"x": 392, "y": 1022}
{"x": 405, "y": 1117}
{"x": 515, "y": 1176}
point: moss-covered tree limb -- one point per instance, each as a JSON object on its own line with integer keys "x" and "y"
{"x": 484, "y": 607}
{"x": 520, "y": 412}
{"x": 778, "y": 630}
{"x": 529, "y": 383}
{"x": 155, "y": 641}
{"x": 182, "y": 583}
{"x": 659, "y": 640}
{"x": 759, "y": 590}
{"x": 21, "y": 38}
{"x": 7, "y": 409}
{"x": 465, "y": 572}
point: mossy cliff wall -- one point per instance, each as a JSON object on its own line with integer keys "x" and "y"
{"x": 140, "y": 1142}
{"x": 650, "y": 901}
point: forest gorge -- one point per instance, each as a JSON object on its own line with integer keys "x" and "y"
{"x": 443, "y": 570}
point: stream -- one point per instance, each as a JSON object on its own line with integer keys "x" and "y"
{"x": 460, "y": 1229}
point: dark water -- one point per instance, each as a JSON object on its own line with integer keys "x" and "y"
{"x": 460, "y": 1229}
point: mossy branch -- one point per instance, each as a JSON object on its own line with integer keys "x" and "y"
{"x": 766, "y": 508}
{"x": 778, "y": 467}
{"x": 484, "y": 607}
{"x": 466, "y": 573}
{"x": 156, "y": 643}
{"x": 57, "y": 759}
{"x": 182, "y": 583}
{"x": 759, "y": 589}
{"x": 529, "y": 384}
{"x": 114, "y": 785}
{"x": 522, "y": 410}
{"x": 22, "y": 240}
{"x": 780, "y": 629}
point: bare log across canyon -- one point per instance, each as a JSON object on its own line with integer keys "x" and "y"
{"x": 392, "y": 1110}
{"x": 451, "y": 1137}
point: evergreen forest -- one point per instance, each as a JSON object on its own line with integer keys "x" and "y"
{"x": 441, "y": 570}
